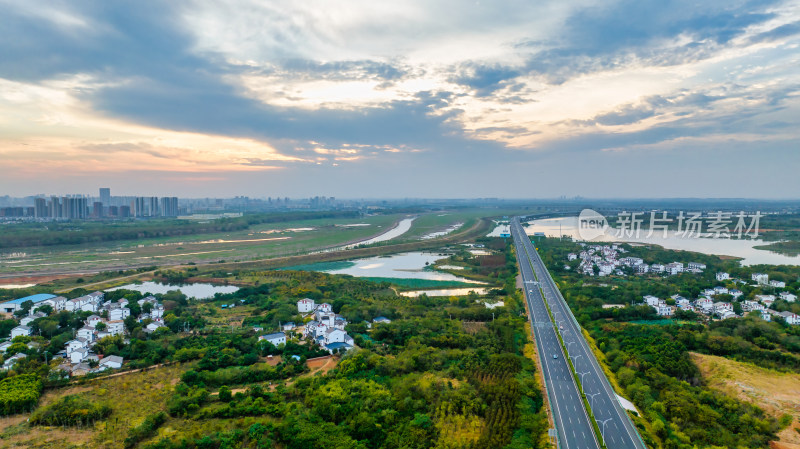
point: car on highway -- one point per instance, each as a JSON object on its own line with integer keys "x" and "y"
{"x": 555, "y": 356}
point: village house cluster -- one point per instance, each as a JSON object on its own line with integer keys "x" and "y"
{"x": 607, "y": 260}
{"x": 705, "y": 304}
{"x": 325, "y": 328}
{"x": 107, "y": 319}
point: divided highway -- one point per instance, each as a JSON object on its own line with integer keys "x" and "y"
{"x": 572, "y": 422}
{"x": 573, "y": 426}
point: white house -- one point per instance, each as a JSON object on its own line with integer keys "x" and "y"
{"x": 657, "y": 268}
{"x": 705, "y": 304}
{"x": 777, "y": 284}
{"x": 73, "y": 304}
{"x": 276, "y": 338}
{"x": 722, "y": 276}
{"x": 78, "y": 343}
{"x": 752, "y": 305}
{"x": 154, "y": 326}
{"x": 110, "y": 362}
{"x": 305, "y": 305}
{"x": 665, "y": 310}
{"x": 791, "y": 318}
{"x": 336, "y": 336}
{"x": 325, "y": 307}
{"x": 119, "y": 314}
{"x": 156, "y": 313}
{"x": 288, "y": 326}
{"x": 115, "y": 327}
{"x": 86, "y": 333}
{"x": 696, "y": 265}
{"x": 674, "y": 268}
{"x": 58, "y": 303}
{"x": 721, "y": 307}
{"x": 31, "y": 318}
{"x": 90, "y": 307}
{"x": 735, "y": 293}
{"x": 727, "y": 314}
{"x": 78, "y": 355}
{"x": 767, "y": 300}
{"x": 21, "y": 331}
{"x": 11, "y": 361}
{"x": 651, "y": 300}
{"x": 788, "y": 297}
{"x": 150, "y": 299}
{"x": 760, "y": 278}
{"x": 720, "y": 290}
{"x": 381, "y": 319}
{"x": 765, "y": 316}
{"x": 93, "y": 320}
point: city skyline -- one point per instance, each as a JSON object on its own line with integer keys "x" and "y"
{"x": 414, "y": 99}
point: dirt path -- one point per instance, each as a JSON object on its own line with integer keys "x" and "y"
{"x": 108, "y": 281}
{"x": 319, "y": 365}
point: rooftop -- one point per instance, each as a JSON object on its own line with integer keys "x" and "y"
{"x": 37, "y": 298}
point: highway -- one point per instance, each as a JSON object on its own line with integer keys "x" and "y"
{"x": 616, "y": 428}
{"x": 572, "y": 422}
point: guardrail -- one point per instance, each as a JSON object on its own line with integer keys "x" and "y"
{"x": 604, "y": 380}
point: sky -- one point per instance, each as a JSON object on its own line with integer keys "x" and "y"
{"x": 417, "y": 98}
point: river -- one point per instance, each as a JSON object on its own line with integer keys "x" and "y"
{"x": 744, "y": 249}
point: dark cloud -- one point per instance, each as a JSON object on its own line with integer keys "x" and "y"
{"x": 625, "y": 116}
{"x": 345, "y": 70}
{"x": 781, "y": 32}
{"x": 484, "y": 79}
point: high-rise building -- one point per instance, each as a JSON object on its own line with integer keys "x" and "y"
{"x": 54, "y": 209}
{"x": 152, "y": 207}
{"x": 105, "y": 196}
{"x": 169, "y": 206}
{"x": 97, "y": 210}
{"x": 73, "y": 208}
{"x": 40, "y": 208}
{"x": 124, "y": 212}
{"x": 137, "y": 207}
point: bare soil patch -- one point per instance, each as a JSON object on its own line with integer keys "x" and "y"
{"x": 775, "y": 392}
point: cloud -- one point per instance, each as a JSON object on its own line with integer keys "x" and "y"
{"x": 267, "y": 86}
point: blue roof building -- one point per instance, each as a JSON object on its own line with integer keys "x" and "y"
{"x": 16, "y": 304}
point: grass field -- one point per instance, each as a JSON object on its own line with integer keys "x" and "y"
{"x": 260, "y": 241}
{"x": 130, "y": 396}
{"x": 777, "y": 393}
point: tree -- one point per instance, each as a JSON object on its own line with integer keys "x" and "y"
{"x": 101, "y": 326}
{"x": 225, "y": 394}
{"x": 47, "y": 309}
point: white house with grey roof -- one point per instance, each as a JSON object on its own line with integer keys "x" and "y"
{"x": 276, "y": 338}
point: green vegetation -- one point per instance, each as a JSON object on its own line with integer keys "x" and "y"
{"x": 83, "y": 232}
{"x": 650, "y": 356}
{"x": 19, "y": 393}
{"x": 442, "y": 374}
{"x": 789, "y": 248}
{"x": 71, "y": 410}
{"x": 145, "y": 430}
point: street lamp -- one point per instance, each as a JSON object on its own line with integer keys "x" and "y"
{"x": 582, "y": 386}
{"x": 591, "y": 398}
{"x": 574, "y": 359}
{"x": 603, "y": 429}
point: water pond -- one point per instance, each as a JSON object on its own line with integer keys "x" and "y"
{"x": 196, "y": 290}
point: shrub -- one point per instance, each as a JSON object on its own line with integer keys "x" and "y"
{"x": 70, "y": 410}
{"x": 19, "y": 393}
